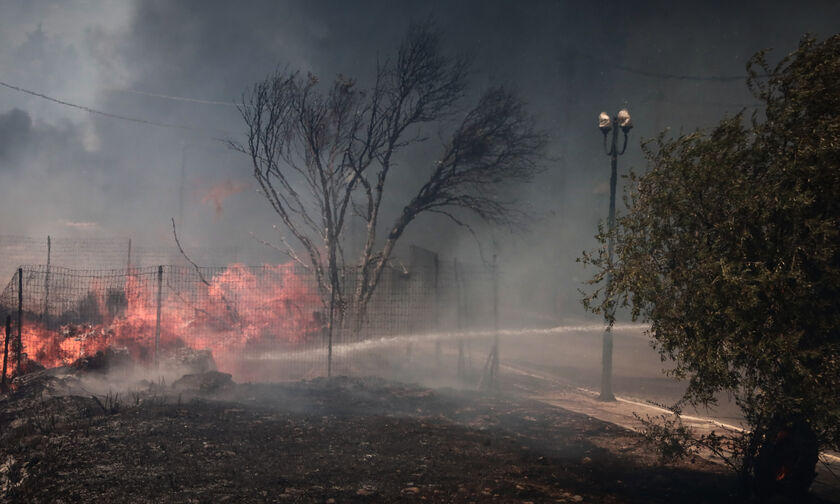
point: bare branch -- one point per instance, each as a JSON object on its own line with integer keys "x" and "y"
{"x": 324, "y": 154}
{"x": 228, "y": 306}
{"x": 288, "y": 251}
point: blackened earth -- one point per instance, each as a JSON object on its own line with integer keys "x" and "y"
{"x": 326, "y": 440}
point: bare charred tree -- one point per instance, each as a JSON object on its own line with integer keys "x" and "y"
{"x": 323, "y": 155}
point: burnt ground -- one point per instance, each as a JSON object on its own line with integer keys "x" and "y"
{"x": 338, "y": 440}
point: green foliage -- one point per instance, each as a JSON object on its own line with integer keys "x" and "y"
{"x": 730, "y": 249}
{"x": 673, "y": 440}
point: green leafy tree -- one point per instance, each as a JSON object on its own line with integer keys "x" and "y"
{"x": 730, "y": 249}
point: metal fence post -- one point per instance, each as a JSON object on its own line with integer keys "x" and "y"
{"x": 436, "y": 306}
{"x": 330, "y": 332}
{"x": 157, "y": 323}
{"x": 19, "y": 343}
{"x": 495, "y": 370}
{"x": 6, "y": 348}
{"x": 490, "y": 375}
{"x": 459, "y": 320}
{"x": 47, "y": 286}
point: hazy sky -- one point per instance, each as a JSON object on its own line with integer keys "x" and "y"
{"x": 66, "y": 172}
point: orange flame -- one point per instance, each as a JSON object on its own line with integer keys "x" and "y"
{"x": 237, "y": 312}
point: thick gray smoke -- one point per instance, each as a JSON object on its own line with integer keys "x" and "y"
{"x": 66, "y": 172}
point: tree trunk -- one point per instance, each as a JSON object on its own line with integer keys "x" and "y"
{"x": 786, "y": 461}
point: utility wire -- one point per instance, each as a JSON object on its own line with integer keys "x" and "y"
{"x": 703, "y": 104}
{"x": 665, "y": 76}
{"x": 108, "y": 114}
{"x": 90, "y": 110}
{"x": 177, "y": 98}
{"x": 639, "y": 71}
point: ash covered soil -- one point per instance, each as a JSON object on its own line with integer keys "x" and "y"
{"x": 325, "y": 440}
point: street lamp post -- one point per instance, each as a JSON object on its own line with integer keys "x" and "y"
{"x": 607, "y": 125}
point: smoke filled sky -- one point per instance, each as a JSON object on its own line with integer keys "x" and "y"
{"x": 67, "y": 172}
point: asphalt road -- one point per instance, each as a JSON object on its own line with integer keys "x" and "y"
{"x": 572, "y": 353}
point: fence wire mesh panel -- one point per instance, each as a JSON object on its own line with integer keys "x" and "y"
{"x": 434, "y": 316}
{"x": 261, "y": 323}
{"x": 63, "y": 315}
{"x": 101, "y": 253}
{"x": 264, "y": 323}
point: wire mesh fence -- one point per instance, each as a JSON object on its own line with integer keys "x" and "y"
{"x": 264, "y": 323}
{"x": 110, "y": 253}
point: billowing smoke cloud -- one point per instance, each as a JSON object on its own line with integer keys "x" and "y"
{"x": 47, "y": 166}
{"x": 15, "y": 128}
{"x": 57, "y": 164}
{"x": 24, "y": 143}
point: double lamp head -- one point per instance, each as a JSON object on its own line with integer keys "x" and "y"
{"x": 622, "y": 120}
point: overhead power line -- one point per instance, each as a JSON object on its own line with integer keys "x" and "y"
{"x": 177, "y": 98}
{"x": 665, "y": 75}
{"x": 700, "y": 78}
{"x": 623, "y": 68}
{"x": 108, "y": 114}
{"x": 727, "y": 105}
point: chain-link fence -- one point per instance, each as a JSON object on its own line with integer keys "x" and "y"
{"x": 263, "y": 323}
